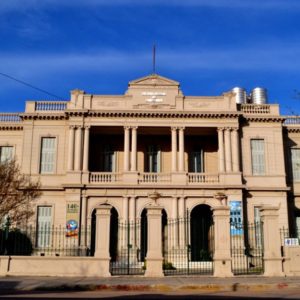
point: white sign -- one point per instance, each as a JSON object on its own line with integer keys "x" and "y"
{"x": 291, "y": 242}
{"x": 154, "y": 96}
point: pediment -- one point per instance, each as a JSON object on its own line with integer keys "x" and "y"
{"x": 153, "y": 80}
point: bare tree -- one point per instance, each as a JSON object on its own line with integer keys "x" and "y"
{"x": 17, "y": 192}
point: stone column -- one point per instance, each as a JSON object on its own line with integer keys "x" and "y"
{"x": 78, "y": 149}
{"x": 228, "y": 162}
{"x": 181, "y": 223}
{"x": 181, "y": 149}
{"x": 123, "y": 234}
{"x": 222, "y": 255}
{"x": 221, "y": 150}
{"x": 174, "y": 149}
{"x": 86, "y": 148}
{"x": 154, "y": 253}
{"x": 235, "y": 150}
{"x": 132, "y": 219}
{"x": 71, "y": 148}
{"x": 83, "y": 226}
{"x": 174, "y": 225}
{"x": 133, "y": 149}
{"x": 102, "y": 238}
{"x": 271, "y": 241}
{"x": 126, "y": 148}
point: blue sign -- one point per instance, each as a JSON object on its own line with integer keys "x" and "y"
{"x": 236, "y": 219}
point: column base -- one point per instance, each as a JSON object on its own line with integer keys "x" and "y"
{"x": 273, "y": 267}
{"x": 130, "y": 178}
{"x": 179, "y": 178}
{"x": 222, "y": 267}
{"x": 154, "y": 267}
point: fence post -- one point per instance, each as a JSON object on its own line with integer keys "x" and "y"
{"x": 222, "y": 256}
{"x": 154, "y": 257}
{"x": 102, "y": 238}
{"x": 271, "y": 241}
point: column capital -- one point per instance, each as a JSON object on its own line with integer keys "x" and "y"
{"x": 181, "y": 128}
{"x": 173, "y": 128}
{"x": 126, "y": 127}
{"x": 72, "y": 127}
{"x": 87, "y": 127}
{"x": 134, "y": 127}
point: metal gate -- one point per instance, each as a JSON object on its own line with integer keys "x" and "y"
{"x": 188, "y": 250}
{"x": 246, "y": 248}
{"x": 129, "y": 258}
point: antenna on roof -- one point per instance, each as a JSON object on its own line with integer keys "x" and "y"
{"x": 153, "y": 59}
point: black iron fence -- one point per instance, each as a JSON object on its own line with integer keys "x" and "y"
{"x": 129, "y": 252}
{"x": 289, "y": 238}
{"x": 246, "y": 248}
{"x": 188, "y": 247}
{"x": 44, "y": 241}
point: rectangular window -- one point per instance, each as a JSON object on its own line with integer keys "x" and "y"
{"x": 295, "y": 154}
{"x": 257, "y": 224}
{"x": 44, "y": 224}
{"x": 6, "y": 153}
{"x": 196, "y": 162}
{"x": 108, "y": 159}
{"x": 48, "y": 154}
{"x": 258, "y": 156}
{"x": 153, "y": 159}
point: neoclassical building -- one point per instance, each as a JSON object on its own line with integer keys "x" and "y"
{"x": 193, "y": 152}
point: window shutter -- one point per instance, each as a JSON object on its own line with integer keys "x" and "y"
{"x": 44, "y": 225}
{"x": 48, "y": 155}
{"x": 258, "y": 157}
{"x": 296, "y": 164}
{"x": 6, "y": 153}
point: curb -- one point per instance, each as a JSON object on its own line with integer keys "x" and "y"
{"x": 233, "y": 287}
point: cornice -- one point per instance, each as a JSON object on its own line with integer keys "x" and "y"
{"x": 11, "y": 127}
{"x": 264, "y": 119}
{"x": 155, "y": 114}
{"x": 43, "y": 116}
{"x": 293, "y": 129}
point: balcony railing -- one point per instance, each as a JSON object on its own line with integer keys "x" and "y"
{"x": 104, "y": 177}
{"x": 292, "y": 120}
{"x": 255, "y": 108}
{"x": 202, "y": 178}
{"x": 50, "y": 105}
{"x": 10, "y": 117}
{"x": 154, "y": 177}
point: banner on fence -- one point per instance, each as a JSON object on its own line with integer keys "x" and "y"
{"x": 72, "y": 217}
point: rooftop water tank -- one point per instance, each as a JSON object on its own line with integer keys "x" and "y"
{"x": 240, "y": 95}
{"x": 259, "y": 96}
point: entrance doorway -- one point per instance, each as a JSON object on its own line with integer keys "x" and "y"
{"x": 201, "y": 233}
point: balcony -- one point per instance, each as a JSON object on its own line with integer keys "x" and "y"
{"x": 148, "y": 178}
{"x": 198, "y": 178}
{"x": 105, "y": 177}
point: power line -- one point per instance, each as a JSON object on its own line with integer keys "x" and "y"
{"x": 30, "y": 85}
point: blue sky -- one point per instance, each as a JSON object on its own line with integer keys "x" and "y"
{"x": 209, "y": 46}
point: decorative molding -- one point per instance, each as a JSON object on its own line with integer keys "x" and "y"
{"x": 11, "y": 127}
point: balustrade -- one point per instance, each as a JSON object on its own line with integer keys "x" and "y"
{"x": 50, "y": 105}
{"x": 10, "y": 117}
{"x": 202, "y": 178}
{"x": 154, "y": 177}
{"x": 255, "y": 108}
{"x": 103, "y": 177}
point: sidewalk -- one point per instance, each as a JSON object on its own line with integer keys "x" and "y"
{"x": 166, "y": 284}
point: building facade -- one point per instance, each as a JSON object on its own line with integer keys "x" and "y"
{"x": 194, "y": 153}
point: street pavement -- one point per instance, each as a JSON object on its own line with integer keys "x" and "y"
{"x": 189, "y": 287}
